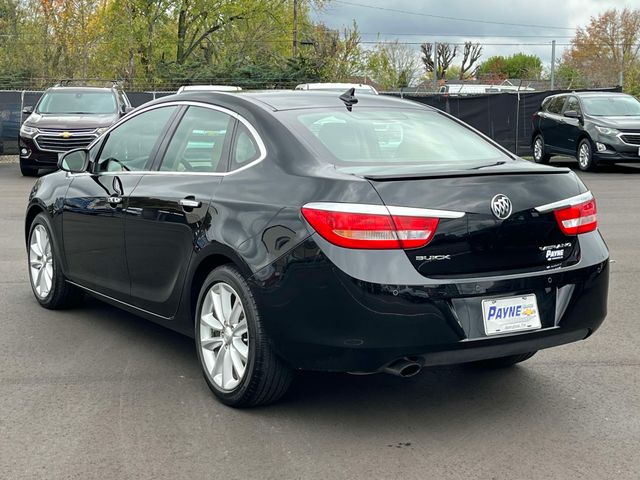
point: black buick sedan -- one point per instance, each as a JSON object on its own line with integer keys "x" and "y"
{"x": 312, "y": 230}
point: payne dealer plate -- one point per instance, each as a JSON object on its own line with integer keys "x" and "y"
{"x": 510, "y": 314}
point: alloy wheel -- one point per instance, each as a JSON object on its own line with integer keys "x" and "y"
{"x": 537, "y": 149}
{"x": 584, "y": 155}
{"x": 224, "y": 336}
{"x": 40, "y": 261}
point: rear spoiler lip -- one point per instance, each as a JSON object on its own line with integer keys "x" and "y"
{"x": 465, "y": 173}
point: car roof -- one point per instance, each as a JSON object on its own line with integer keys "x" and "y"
{"x": 209, "y": 88}
{"x": 328, "y": 85}
{"x": 277, "y": 100}
{"x": 598, "y": 94}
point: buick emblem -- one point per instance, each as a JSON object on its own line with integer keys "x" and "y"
{"x": 501, "y": 206}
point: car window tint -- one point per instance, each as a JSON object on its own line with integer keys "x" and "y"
{"x": 245, "y": 148}
{"x": 129, "y": 146}
{"x": 556, "y": 104}
{"x": 389, "y": 140}
{"x": 198, "y": 143}
{"x": 572, "y": 104}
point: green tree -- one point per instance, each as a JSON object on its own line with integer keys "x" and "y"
{"x": 519, "y": 65}
{"x": 393, "y": 65}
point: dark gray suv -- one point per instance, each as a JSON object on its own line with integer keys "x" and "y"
{"x": 595, "y": 127}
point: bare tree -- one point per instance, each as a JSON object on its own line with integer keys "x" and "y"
{"x": 472, "y": 52}
{"x": 446, "y": 54}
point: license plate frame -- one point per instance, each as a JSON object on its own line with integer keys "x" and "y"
{"x": 505, "y": 315}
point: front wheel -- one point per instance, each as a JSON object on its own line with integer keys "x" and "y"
{"x": 48, "y": 283}
{"x": 28, "y": 171}
{"x": 236, "y": 356}
{"x": 586, "y": 162}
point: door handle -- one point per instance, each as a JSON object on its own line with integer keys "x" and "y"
{"x": 190, "y": 203}
{"x": 114, "y": 200}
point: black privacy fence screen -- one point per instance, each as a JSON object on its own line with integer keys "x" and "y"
{"x": 505, "y": 117}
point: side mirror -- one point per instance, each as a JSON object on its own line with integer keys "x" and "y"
{"x": 74, "y": 161}
{"x": 27, "y": 110}
{"x": 126, "y": 110}
{"x": 572, "y": 114}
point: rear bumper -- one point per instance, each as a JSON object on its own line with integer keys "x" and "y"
{"x": 321, "y": 318}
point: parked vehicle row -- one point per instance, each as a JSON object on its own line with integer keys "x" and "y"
{"x": 308, "y": 230}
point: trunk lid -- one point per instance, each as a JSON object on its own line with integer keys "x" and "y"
{"x": 479, "y": 243}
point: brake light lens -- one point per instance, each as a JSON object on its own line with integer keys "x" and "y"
{"x": 371, "y": 231}
{"x": 581, "y": 218}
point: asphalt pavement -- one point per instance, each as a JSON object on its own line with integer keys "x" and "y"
{"x": 96, "y": 393}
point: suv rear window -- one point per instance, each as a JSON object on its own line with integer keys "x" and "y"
{"x": 391, "y": 140}
{"x": 77, "y": 102}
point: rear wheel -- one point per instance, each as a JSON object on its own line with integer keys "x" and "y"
{"x": 585, "y": 156}
{"x": 28, "y": 171}
{"x": 236, "y": 356}
{"x": 503, "y": 362}
{"x": 48, "y": 283}
{"x": 539, "y": 154}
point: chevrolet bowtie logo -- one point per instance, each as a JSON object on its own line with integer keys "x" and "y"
{"x": 65, "y": 134}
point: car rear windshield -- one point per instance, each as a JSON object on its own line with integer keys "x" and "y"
{"x": 612, "y": 106}
{"x": 387, "y": 141}
{"x": 77, "y": 102}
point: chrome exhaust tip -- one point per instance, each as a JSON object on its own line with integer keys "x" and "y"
{"x": 403, "y": 367}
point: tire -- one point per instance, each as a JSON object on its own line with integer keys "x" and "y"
{"x": 584, "y": 155}
{"x": 44, "y": 263}
{"x": 539, "y": 154}
{"x": 503, "y": 362}
{"x": 223, "y": 347}
{"x": 28, "y": 171}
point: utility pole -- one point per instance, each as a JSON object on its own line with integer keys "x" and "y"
{"x": 553, "y": 64}
{"x": 295, "y": 28}
{"x": 435, "y": 67}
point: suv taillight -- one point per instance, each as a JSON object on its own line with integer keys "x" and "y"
{"x": 581, "y": 218}
{"x": 357, "y": 229}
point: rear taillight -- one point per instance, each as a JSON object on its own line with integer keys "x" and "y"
{"x": 575, "y": 219}
{"x": 375, "y": 230}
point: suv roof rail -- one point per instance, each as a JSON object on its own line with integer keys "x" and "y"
{"x": 88, "y": 82}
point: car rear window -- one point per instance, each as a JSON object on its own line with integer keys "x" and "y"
{"x": 383, "y": 141}
{"x": 77, "y": 102}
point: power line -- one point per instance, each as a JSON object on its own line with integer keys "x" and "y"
{"x": 470, "y": 35}
{"x": 457, "y": 19}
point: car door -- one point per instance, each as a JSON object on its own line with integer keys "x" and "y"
{"x": 168, "y": 211}
{"x": 93, "y": 219}
{"x": 570, "y": 128}
{"x": 551, "y": 121}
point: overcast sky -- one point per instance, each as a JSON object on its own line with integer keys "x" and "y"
{"x": 415, "y": 26}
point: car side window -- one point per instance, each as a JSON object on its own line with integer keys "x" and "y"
{"x": 198, "y": 144}
{"x": 573, "y": 104}
{"x": 245, "y": 148}
{"x": 130, "y": 145}
{"x": 556, "y": 104}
